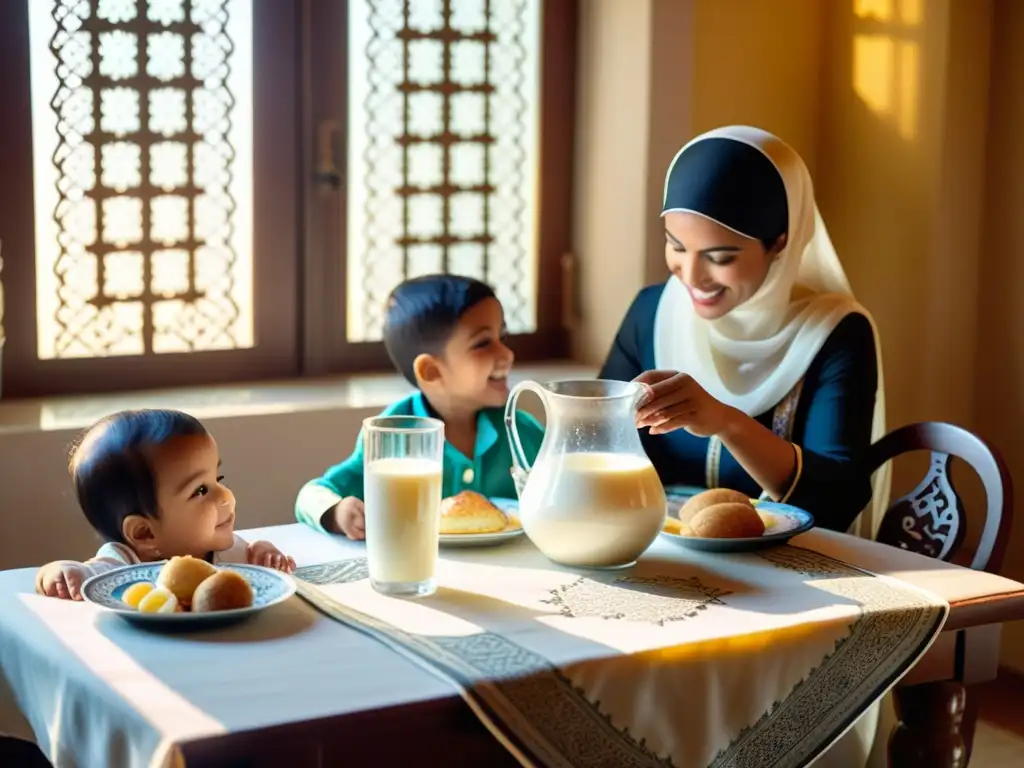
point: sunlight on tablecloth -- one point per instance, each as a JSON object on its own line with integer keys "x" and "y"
{"x": 171, "y": 718}
{"x": 691, "y": 659}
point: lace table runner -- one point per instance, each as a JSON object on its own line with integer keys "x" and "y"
{"x": 686, "y": 659}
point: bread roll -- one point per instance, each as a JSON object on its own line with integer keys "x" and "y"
{"x": 469, "y": 512}
{"x": 181, "y": 575}
{"x": 223, "y": 591}
{"x": 730, "y": 520}
{"x": 706, "y": 499}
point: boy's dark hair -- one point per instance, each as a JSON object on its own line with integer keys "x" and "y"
{"x": 422, "y": 314}
{"x": 111, "y": 472}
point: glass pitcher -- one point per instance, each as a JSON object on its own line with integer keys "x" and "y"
{"x": 592, "y": 498}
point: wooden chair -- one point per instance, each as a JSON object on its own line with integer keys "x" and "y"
{"x": 937, "y": 720}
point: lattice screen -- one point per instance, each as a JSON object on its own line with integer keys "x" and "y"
{"x": 442, "y": 150}
{"x": 142, "y": 131}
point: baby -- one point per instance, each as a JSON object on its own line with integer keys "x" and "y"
{"x": 446, "y": 335}
{"x": 149, "y": 483}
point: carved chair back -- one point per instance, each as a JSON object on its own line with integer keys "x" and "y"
{"x": 931, "y": 520}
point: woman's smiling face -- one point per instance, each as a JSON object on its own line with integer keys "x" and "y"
{"x": 719, "y": 267}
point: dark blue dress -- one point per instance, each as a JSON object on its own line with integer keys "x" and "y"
{"x": 831, "y": 424}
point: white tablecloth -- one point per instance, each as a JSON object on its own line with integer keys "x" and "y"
{"x": 96, "y": 691}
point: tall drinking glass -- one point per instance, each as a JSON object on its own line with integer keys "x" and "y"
{"x": 402, "y": 496}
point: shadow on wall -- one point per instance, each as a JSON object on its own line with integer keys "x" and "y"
{"x": 878, "y": 184}
{"x": 873, "y": 189}
{"x": 872, "y": 183}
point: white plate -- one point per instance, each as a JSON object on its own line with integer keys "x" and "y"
{"x": 509, "y": 507}
{"x": 269, "y": 587}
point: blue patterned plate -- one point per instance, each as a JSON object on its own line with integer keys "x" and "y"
{"x": 514, "y": 531}
{"x": 785, "y": 522}
{"x": 269, "y": 588}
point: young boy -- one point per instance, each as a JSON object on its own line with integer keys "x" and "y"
{"x": 445, "y": 334}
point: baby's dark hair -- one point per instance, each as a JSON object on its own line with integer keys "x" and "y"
{"x": 111, "y": 471}
{"x": 422, "y": 314}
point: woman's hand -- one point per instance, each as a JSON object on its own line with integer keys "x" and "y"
{"x": 266, "y": 554}
{"x": 674, "y": 401}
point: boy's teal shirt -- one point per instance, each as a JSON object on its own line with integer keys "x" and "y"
{"x": 488, "y": 472}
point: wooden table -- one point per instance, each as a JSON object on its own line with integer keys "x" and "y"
{"x": 394, "y": 713}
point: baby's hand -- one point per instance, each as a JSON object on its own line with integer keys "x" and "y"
{"x": 63, "y": 579}
{"x": 348, "y": 517}
{"x": 266, "y": 554}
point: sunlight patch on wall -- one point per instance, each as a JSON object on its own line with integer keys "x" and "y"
{"x": 887, "y": 60}
{"x": 873, "y": 65}
{"x": 878, "y": 9}
{"x": 911, "y": 12}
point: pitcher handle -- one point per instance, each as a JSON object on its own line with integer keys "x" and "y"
{"x": 520, "y": 466}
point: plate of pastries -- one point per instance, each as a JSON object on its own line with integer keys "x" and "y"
{"x": 469, "y": 519}
{"x": 721, "y": 520}
{"x": 188, "y": 591}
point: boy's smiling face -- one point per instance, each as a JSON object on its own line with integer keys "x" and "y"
{"x": 473, "y": 370}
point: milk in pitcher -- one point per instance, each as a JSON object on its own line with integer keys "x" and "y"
{"x": 594, "y": 509}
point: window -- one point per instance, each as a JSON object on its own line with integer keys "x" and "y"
{"x": 212, "y": 190}
{"x": 442, "y": 153}
{"x": 142, "y": 136}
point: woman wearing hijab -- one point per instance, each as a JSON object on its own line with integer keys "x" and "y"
{"x": 763, "y": 371}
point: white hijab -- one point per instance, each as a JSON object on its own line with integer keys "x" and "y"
{"x": 752, "y": 357}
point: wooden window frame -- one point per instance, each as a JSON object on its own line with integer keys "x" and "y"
{"x": 326, "y": 349}
{"x": 275, "y": 240}
{"x": 299, "y": 272}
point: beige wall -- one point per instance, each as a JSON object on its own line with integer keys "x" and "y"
{"x": 760, "y": 63}
{"x": 613, "y": 102}
{"x": 900, "y": 176}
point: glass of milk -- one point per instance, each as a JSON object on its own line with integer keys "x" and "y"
{"x": 402, "y": 496}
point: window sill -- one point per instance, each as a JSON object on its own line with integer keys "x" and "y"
{"x": 340, "y": 392}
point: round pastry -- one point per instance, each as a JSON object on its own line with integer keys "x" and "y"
{"x": 709, "y": 498}
{"x": 224, "y": 591}
{"x": 159, "y": 600}
{"x": 469, "y": 512}
{"x": 730, "y": 520}
{"x": 182, "y": 575}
